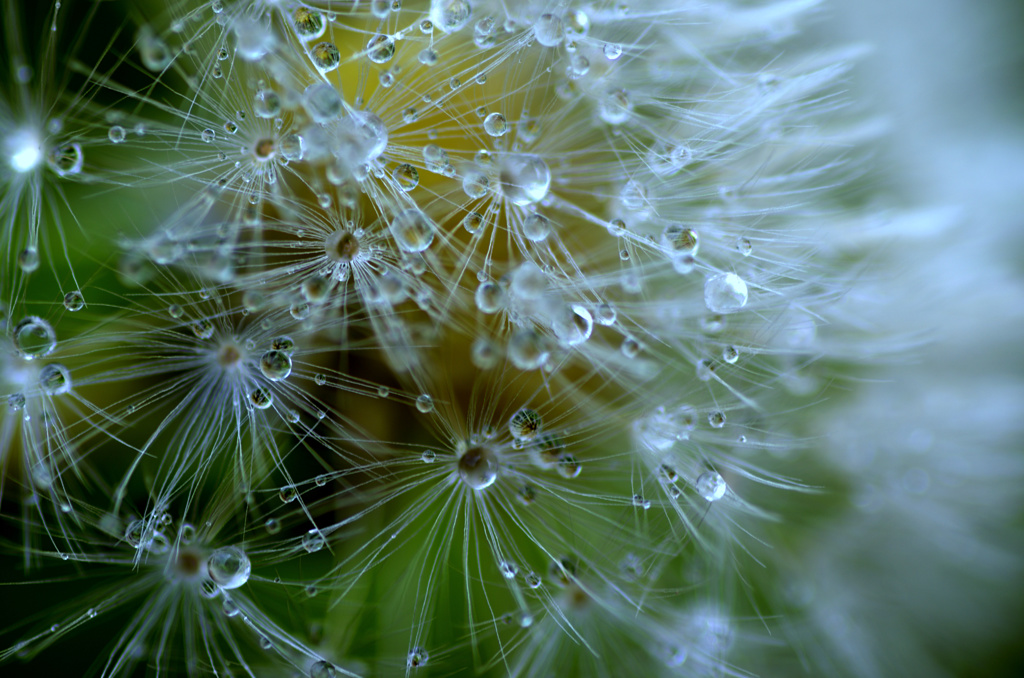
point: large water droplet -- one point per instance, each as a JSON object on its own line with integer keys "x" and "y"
{"x": 34, "y": 338}
{"x": 412, "y": 230}
{"x": 55, "y": 379}
{"x": 478, "y": 467}
{"x": 725, "y": 293}
{"x": 711, "y": 486}
{"x": 229, "y": 567}
{"x": 525, "y": 179}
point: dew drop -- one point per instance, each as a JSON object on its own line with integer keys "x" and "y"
{"x": 478, "y": 467}
{"x": 495, "y": 125}
{"x": 406, "y": 176}
{"x": 275, "y": 365}
{"x": 425, "y": 403}
{"x": 380, "y": 49}
{"x": 524, "y": 424}
{"x": 711, "y": 486}
{"x": 229, "y": 567}
{"x": 116, "y": 134}
{"x": 312, "y": 541}
{"x": 412, "y": 230}
{"x": 549, "y": 30}
{"x": 725, "y": 293}
{"x": 74, "y": 301}
{"x": 490, "y": 297}
{"x": 54, "y": 379}
{"x": 34, "y": 338}
{"x": 525, "y": 179}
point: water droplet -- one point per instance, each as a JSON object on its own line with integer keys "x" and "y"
{"x": 640, "y": 502}
{"x": 630, "y": 347}
{"x": 428, "y": 457}
{"x": 229, "y": 567}
{"x": 275, "y": 365}
{"x": 322, "y": 669}
{"x": 536, "y": 227}
{"x": 323, "y": 102}
{"x": 524, "y": 424}
{"x": 478, "y": 467}
{"x": 528, "y": 349}
{"x": 725, "y": 293}
{"x": 309, "y": 24}
{"x": 428, "y": 57}
{"x": 549, "y": 30}
{"x": 495, "y": 125}
{"x": 313, "y": 541}
{"x": 412, "y": 230}
{"x": 532, "y": 580}
{"x": 406, "y": 176}
{"x": 615, "y": 107}
{"x": 55, "y": 379}
{"x": 573, "y": 325}
{"x": 716, "y": 419}
{"x": 425, "y": 403}
{"x": 325, "y": 56}
{"x": 450, "y": 15}
{"x": 679, "y": 240}
{"x": 74, "y": 301}
{"x": 612, "y": 51}
{"x": 508, "y": 569}
{"x": 744, "y": 247}
{"x": 272, "y": 526}
{"x": 490, "y": 297}
{"x": 485, "y": 353}
{"x": 261, "y": 398}
{"x": 380, "y": 49}
{"x": 116, "y": 134}
{"x": 16, "y": 401}
{"x": 525, "y": 179}
{"x": 417, "y": 657}
{"x": 730, "y": 354}
{"x": 28, "y": 259}
{"x": 65, "y": 159}
{"x": 568, "y": 466}
{"x": 711, "y": 486}
{"x": 34, "y": 338}
{"x": 230, "y": 608}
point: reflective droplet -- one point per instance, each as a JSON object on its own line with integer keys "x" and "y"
{"x": 568, "y": 467}
{"x": 74, "y": 301}
{"x": 417, "y": 657}
{"x": 116, "y": 134}
{"x": 450, "y": 15}
{"x": 54, "y": 379}
{"x": 612, "y": 51}
{"x": 229, "y": 567}
{"x": 679, "y": 240}
{"x": 323, "y": 102}
{"x": 65, "y": 159}
{"x": 428, "y": 457}
{"x": 412, "y": 230}
{"x": 284, "y": 343}
{"x": 28, "y": 259}
{"x": 536, "y": 227}
{"x": 16, "y": 401}
{"x": 309, "y": 24}
{"x": 267, "y": 104}
{"x": 380, "y": 49}
{"x": 495, "y": 125}
{"x": 275, "y": 365}
{"x": 261, "y": 398}
{"x": 730, "y": 354}
{"x": 406, "y": 176}
{"x": 711, "y": 486}
{"x": 485, "y": 353}
{"x": 478, "y": 467}
{"x": 549, "y": 30}
{"x": 325, "y": 56}
{"x": 716, "y": 419}
{"x": 615, "y": 107}
{"x": 525, "y": 179}
{"x": 573, "y": 325}
{"x": 34, "y": 338}
{"x": 633, "y": 196}
{"x": 489, "y": 297}
{"x": 527, "y": 349}
{"x": 725, "y": 293}
{"x": 508, "y": 569}
{"x": 744, "y": 247}
{"x": 313, "y": 541}
{"x": 425, "y": 403}
{"x": 524, "y": 424}
{"x": 322, "y": 669}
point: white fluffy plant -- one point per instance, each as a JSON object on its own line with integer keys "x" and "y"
{"x": 486, "y": 338}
